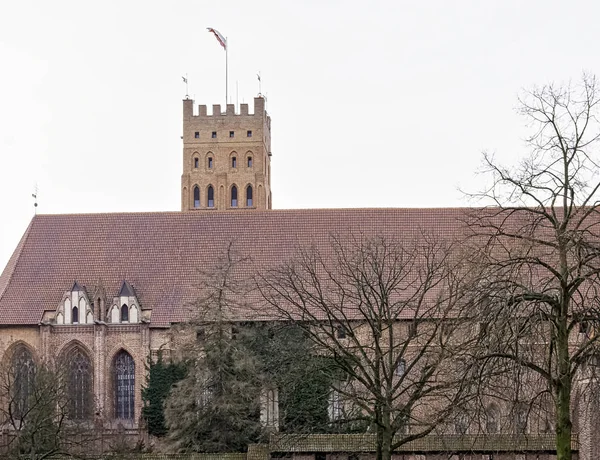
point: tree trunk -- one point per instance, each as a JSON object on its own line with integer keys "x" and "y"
{"x": 563, "y": 389}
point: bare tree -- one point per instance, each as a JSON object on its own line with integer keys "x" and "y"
{"x": 37, "y": 413}
{"x": 387, "y": 315}
{"x": 537, "y": 251}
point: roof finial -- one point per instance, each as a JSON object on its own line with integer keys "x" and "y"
{"x": 34, "y": 196}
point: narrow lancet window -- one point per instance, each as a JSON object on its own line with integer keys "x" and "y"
{"x": 234, "y": 197}
{"x": 249, "y": 196}
{"x": 196, "y": 197}
{"x": 75, "y": 313}
{"x": 124, "y": 313}
{"x": 211, "y": 197}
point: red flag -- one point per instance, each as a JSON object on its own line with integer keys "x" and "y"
{"x": 219, "y": 37}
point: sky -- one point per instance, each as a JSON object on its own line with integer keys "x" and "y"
{"x": 373, "y": 104}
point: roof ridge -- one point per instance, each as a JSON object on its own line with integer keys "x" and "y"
{"x": 11, "y": 266}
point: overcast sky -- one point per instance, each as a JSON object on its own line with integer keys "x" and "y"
{"x": 373, "y": 104}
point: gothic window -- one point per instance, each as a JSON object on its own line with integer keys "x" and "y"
{"x": 79, "y": 385}
{"x": 401, "y": 367}
{"x": 210, "y": 162}
{"x": 196, "y": 197}
{"x": 124, "y": 313}
{"x": 197, "y": 135}
{"x": 248, "y": 133}
{"x": 233, "y": 162}
{"x": 335, "y": 405}
{"x": 269, "y": 413}
{"x": 249, "y": 162}
{"x": 214, "y": 135}
{"x": 196, "y": 163}
{"x": 24, "y": 375}
{"x": 491, "y": 422}
{"x": 211, "y": 196}
{"x": 249, "y": 196}
{"x": 124, "y": 386}
{"x": 231, "y": 133}
{"x": 520, "y": 416}
{"x": 75, "y": 313}
{"x": 234, "y": 196}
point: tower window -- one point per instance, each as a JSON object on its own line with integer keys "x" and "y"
{"x": 234, "y": 197}
{"x": 197, "y": 135}
{"x": 210, "y": 162}
{"x": 196, "y": 197}
{"x": 124, "y": 313}
{"x": 214, "y": 135}
{"x": 249, "y": 196}
{"x": 75, "y": 312}
{"x": 249, "y": 133}
{"x": 249, "y": 162}
{"x": 196, "y": 163}
{"x": 211, "y": 196}
{"x": 233, "y": 162}
{"x": 231, "y": 133}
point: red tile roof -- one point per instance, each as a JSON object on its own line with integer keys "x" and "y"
{"x": 160, "y": 253}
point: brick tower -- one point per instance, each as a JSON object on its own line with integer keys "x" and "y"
{"x": 226, "y": 158}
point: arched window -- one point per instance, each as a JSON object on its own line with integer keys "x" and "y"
{"x": 196, "y": 197}
{"x": 211, "y": 197}
{"x": 249, "y": 196}
{"x": 234, "y": 196}
{"x": 491, "y": 420}
{"x": 196, "y": 163}
{"x": 75, "y": 313}
{"x": 124, "y": 379}
{"x": 249, "y": 162}
{"x": 79, "y": 384}
{"x": 210, "y": 162}
{"x": 24, "y": 375}
{"x": 124, "y": 313}
{"x": 233, "y": 162}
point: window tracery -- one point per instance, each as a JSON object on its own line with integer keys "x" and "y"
{"x": 124, "y": 377}
{"x": 79, "y": 384}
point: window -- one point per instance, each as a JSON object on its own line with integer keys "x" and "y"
{"x": 335, "y": 405}
{"x": 79, "y": 385}
{"x": 124, "y": 313}
{"x": 269, "y": 410}
{"x": 320, "y": 456}
{"x": 341, "y": 332}
{"x": 249, "y": 133}
{"x": 211, "y": 197}
{"x": 249, "y": 196}
{"x": 210, "y": 162}
{"x": 491, "y": 420}
{"x": 214, "y": 135}
{"x": 234, "y": 198}
{"x": 521, "y": 418}
{"x": 23, "y": 386}
{"x": 197, "y": 135}
{"x": 196, "y": 197}
{"x": 124, "y": 381}
{"x": 249, "y": 162}
{"x": 461, "y": 424}
{"x": 233, "y": 162}
{"x": 75, "y": 313}
{"x": 401, "y": 367}
{"x": 231, "y": 133}
{"x": 196, "y": 163}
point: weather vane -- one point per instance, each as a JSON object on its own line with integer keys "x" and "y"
{"x": 34, "y": 196}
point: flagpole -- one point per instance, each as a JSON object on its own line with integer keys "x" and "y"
{"x": 226, "y": 86}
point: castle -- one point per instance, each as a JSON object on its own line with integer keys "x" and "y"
{"x": 106, "y": 289}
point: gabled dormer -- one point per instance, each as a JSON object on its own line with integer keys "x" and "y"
{"x": 125, "y": 307}
{"x": 75, "y": 307}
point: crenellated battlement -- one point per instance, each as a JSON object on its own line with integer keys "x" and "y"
{"x": 188, "y": 110}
